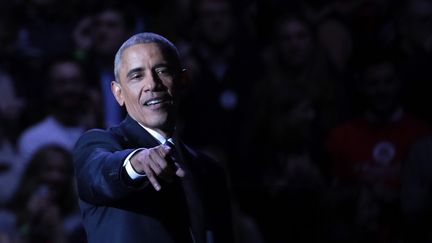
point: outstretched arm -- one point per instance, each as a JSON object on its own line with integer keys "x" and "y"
{"x": 101, "y": 175}
{"x": 98, "y": 159}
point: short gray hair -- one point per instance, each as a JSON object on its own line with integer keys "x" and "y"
{"x": 167, "y": 47}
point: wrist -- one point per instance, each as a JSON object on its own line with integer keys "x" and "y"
{"x": 132, "y": 172}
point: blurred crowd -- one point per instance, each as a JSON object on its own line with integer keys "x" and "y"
{"x": 317, "y": 109}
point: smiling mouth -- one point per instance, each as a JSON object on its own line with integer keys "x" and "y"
{"x": 158, "y": 101}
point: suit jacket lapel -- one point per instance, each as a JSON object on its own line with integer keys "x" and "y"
{"x": 136, "y": 135}
{"x": 193, "y": 190}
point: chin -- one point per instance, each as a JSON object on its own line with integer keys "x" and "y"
{"x": 156, "y": 122}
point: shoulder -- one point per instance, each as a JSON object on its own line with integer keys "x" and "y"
{"x": 42, "y": 127}
{"x": 95, "y": 134}
{"x": 350, "y": 126}
{"x": 111, "y": 135}
{"x": 413, "y": 122}
{"x": 349, "y": 129}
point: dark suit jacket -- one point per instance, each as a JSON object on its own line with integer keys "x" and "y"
{"x": 116, "y": 209}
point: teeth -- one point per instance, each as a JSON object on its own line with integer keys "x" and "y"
{"x": 154, "y": 102}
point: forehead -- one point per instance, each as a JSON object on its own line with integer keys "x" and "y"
{"x": 143, "y": 52}
{"x": 109, "y": 16}
{"x": 65, "y": 68}
{"x": 66, "y": 73}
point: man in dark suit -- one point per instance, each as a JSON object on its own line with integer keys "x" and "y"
{"x": 137, "y": 181}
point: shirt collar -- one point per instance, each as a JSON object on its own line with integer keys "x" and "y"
{"x": 155, "y": 134}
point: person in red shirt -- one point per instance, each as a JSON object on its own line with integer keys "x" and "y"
{"x": 366, "y": 154}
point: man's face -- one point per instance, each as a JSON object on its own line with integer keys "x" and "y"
{"x": 147, "y": 87}
{"x": 382, "y": 88}
{"x": 67, "y": 87}
{"x": 215, "y": 21}
{"x": 55, "y": 170}
{"x": 295, "y": 42}
{"x": 419, "y": 23}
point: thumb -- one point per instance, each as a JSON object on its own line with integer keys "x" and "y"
{"x": 165, "y": 150}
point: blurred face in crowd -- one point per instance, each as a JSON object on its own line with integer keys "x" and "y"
{"x": 418, "y": 25}
{"x": 56, "y": 170}
{"x": 215, "y": 21}
{"x": 110, "y": 32}
{"x": 294, "y": 42}
{"x": 147, "y": 86}
{"x": 381, "y": 88}
{"x": 67, "y": 87}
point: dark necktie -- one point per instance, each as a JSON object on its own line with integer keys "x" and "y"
{"x": 174, "y": 154}
{"x": 192, "y": 199}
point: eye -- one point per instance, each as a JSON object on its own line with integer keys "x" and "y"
{"x": 136, "y": 76}
{"x": 163, "y": 72}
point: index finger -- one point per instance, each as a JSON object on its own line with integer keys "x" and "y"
{"x": 152, "y": 178}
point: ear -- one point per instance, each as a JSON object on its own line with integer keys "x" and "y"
{"x": 117, "y": 92}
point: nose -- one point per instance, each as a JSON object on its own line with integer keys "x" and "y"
{"x": 152, "y": 82}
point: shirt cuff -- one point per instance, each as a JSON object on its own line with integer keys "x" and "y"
{"x": 132, "y": 173}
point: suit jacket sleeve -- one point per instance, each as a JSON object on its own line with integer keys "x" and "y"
{"x": 101, "y": 178}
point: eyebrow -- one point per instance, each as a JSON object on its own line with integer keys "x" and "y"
{"x": 171, "y": 68}
{"x": 134, "y": 70}
{"x": 161, "y": 65}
